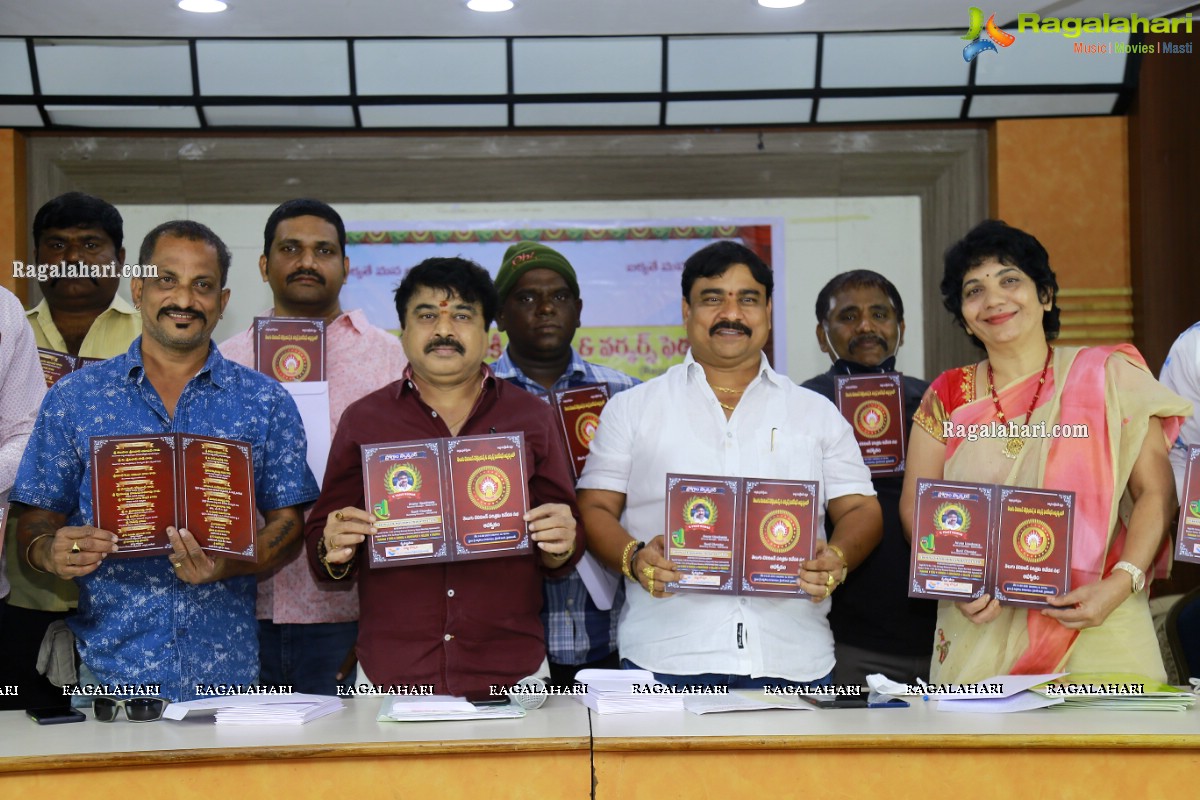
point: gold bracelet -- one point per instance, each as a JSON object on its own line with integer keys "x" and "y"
{"x": 625, "y": 569}
{"x": 336, "y": 571}
{"x": 837, "y": 551}
{"x": 563, "y": 556}
{"x": 29, "y": 553}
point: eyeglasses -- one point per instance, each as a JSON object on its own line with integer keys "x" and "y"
{"x": 137, "y": 709}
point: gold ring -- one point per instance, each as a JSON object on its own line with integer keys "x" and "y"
{"x": 338, "y": 516}
{"x": 648, "y": 572}
{"x": 650, "y": 586}
{"x": 828, "y": 591}
{"x": 828, "y": 580}
{"x": 75, "y": 546}
{"x": 176, "y": 564}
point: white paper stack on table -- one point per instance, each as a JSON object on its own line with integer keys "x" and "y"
{"x": 259, "y": 709}
{"x": 1116, "y": 691}
{"x": 441, "y": 708}
{"x": 1002, "y": 694}
{"x": 626, "y": 691}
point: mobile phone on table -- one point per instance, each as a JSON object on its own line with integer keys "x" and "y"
{"x": 55, "y": 715}
{"x": 835, "y": 701}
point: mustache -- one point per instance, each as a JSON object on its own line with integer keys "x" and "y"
{"x": 867, "y": 338}
{"x": 306, "y": 272}
{"x": 444, "y": 341}
{"x": 165, "y": 310}
{"x": 730, "y": 325}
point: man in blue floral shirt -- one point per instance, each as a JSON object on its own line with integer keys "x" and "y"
{"x": 539, "y": 310}
{"x": 176, "y": 624}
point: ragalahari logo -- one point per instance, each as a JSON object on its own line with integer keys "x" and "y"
{"x": 980, "y": 42}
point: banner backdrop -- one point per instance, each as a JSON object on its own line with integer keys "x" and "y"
{"x": 628, "y": 275}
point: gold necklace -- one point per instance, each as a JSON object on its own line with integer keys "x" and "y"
{"x": 725, "y": 406}
{"x": 726, "y": 391}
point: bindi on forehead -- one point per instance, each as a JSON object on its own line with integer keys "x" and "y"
{"x": 444, "y": 304}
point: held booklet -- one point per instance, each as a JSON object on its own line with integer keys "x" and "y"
{"x": 740, "y": 536}
{"x": 578, "y": 412}
{"x": 874, "y": 407}
{"x": 973, "y": 539}
{"x": 448, "y": 499}
{"x": 1187, "y": 541}
{"x": 56, "y": 365}
{"x": 142, "y": 484}
{"x": 290, "y": 348}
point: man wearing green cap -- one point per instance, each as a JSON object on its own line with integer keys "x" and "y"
{"x": 539, "y": 310}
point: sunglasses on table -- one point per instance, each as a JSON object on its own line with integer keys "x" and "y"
{"x": 137, "y": 709}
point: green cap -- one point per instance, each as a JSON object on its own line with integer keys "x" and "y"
{"x": 524, "y": 256}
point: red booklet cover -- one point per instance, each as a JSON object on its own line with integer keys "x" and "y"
{"x": 874, "y": 407}
{"x": 489, "y": 495}
{"x": 1187, "y": 544}
{"x": 1033, "y": 546}
{"x": 447, "y": 499}
{"x": 402, "y": 484}
{"x": 703, "y": 515}
{"x": 951, "y": 540}
{"x": 144, "y": 483}
{"x": 290, "y": 348}
{"x": 578, "y": 412}
{"x": 56, "y": 365}
{"x": 780, "y": 533}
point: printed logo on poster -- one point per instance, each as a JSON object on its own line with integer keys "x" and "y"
{"x": 1033, "y": 540}
{"x": 585, "y": 428}
{"x": 779, "y": 531}
{"x": 871, "y": 419}
{"x": 488, "y": 488}
{"x": 291, "y": 363}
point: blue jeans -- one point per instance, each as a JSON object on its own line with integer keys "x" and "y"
{"x": 305, "y": 657}
{"x": 730, "y": 681}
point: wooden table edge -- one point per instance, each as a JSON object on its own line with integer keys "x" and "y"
{"x": 898, "y": 742}
{"x": 301, "y": 751}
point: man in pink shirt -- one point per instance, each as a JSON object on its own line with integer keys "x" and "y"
{"x": 305, "y": 630}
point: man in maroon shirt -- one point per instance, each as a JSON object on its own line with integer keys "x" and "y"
{"x": 467, "y": 626}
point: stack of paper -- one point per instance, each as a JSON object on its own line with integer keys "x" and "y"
{"x": 296, "y": 712}
{"x": 744, "y": 700}
{"x": 1119, "y": 691}
{"x": 626, "y": 691}
{"x": 999, "y": 695}
{"x": 443, "y": 707}
{"x": 258, "y": 709}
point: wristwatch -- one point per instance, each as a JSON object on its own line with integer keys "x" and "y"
{"x": 1139, "y": 577}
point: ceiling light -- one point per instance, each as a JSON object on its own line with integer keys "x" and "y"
{"x": 490, "y": 5}
{"x": 202, "y": 6}
{"x": 780, "y": 3}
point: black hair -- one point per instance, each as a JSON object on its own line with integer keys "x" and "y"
{"x": 1012, "y": 247}
{"x": 303, "y": 207}
{"x": 79, "y": 210}
{"x": 459, "y": 276}
{"x": 857, "y": 279}
{"x": 192, "y": 231}
{"x": 712, "y": 260}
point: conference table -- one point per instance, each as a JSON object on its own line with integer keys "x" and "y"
{"x": 563, "y": 750}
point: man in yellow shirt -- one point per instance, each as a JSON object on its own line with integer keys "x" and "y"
{"x": 84, "y": 317}
{"x": 81, "y": 316}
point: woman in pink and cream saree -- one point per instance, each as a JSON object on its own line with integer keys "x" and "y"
{"x": 999, "y": 285}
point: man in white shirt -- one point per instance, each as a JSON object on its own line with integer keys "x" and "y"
{"x": 724, "y": 411}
